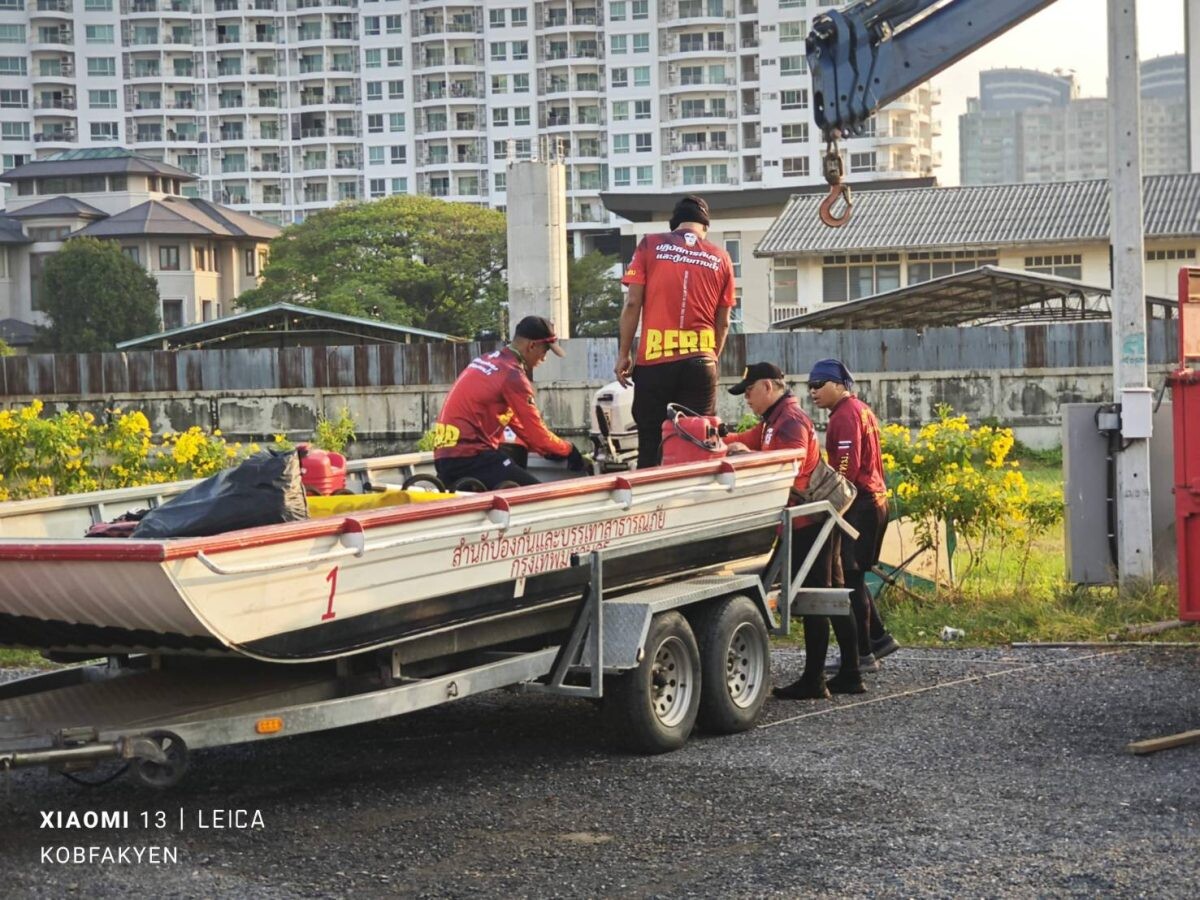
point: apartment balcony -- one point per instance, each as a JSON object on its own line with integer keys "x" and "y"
{"x": 50, "y": 9}
{"x": 678, "y": 12}
{"x": 438, "y": 27}
{"x": 701, "y": 148}
{"x": 582, "y": 212}
{"x": 52, "y": 39}
{"x": 64, "y": 71}
{"x": 679, "y": 82}
{"x": 750, "y": 108}
{"x": 679, "y": 114}
{"x": 53, "y": 107}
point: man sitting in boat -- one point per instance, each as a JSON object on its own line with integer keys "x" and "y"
{"x": 783, "y": 424}
{"x": 493, "y": 392}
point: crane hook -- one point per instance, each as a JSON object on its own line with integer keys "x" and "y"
{"x": 832, "y": 164}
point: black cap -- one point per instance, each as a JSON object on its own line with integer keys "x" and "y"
{"x": 539, "y": 330}
{"x": 756, "y": 372}
{"x": 690, "y": 209}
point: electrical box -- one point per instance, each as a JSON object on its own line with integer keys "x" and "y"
{"x": 1085, "y": 473}
{"x": 1137, "y": 412}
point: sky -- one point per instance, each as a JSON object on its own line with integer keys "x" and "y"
{"x": 1069, "y": 34}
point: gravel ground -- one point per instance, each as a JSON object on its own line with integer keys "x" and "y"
{"x": 962, "y": 773}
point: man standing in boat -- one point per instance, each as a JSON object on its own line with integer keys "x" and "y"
{"x": 493, "y": 392}
{"x": 681, "y": 290}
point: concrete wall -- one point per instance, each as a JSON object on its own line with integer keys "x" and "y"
{"x": 1021, "y": 376}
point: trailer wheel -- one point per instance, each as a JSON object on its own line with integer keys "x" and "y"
{"x": 163, "y": 775}
{"x": 652, "y": 709}
{"x": 735, "y": 665}
{"x": 424, "y": 482}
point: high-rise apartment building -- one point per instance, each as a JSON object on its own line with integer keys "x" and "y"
{"x": 282, "y": 107}
{"x": 1029, "y": 126}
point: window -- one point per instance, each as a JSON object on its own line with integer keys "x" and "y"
{"x": 14, "y": 131}
{"x": 500, "y": 181}
{"x": 376, "y": 156}
{"x": 398, "y": 154}
{"x": 98, "y": 5}
{"x": 618, "y": 43}
{"x": 248, "y": 259}
{"x": 857, "y": 275}
{"x": 695, "y": 174}
{"x": 500, "y": 116}
{"x": 794, "y": 99}
{"x": 499, "y": 84}
{"x": 862, "y": 162}
{"x": 645, "y": 176}
{"x": 168, "y": 257}
{"x": 1153, "y": 255}
{"x": 395, "y": 122}
{"x": 643, "y": 143}
{"x": 641, "y": 43}
{"x": 616, "y": 11}
{"x": 14, "y": 99}
{"x": 199, "y": 265}
{"x": 520, "y": 84}
{"x": 13, "y": 65}
{"x": 394, "y": 24}
{"x": 99, "y": 34}
{"x": 520, "y": 17}
{"x": 375, "y": 123}
{"x": 620, "y": 110}
{"x": 791, "y": 31}
{"x": 496, "y": 18}
{"x": 619, "y": 77}
{"x": 621, "y": 176}
{"x": 641, "y": 76}
{"x": 172, "y": 314}
{"x": 733, "y": 246}
{"x": 499, "y": 50}
{"x": 641, "y": 109}
{"x": 796, "y": 133}
{"x": 133, "y": 253}
{"x": 371, "y": 25}
{"x": 101, "y": 67}
{"x": 923, "y": 265}
{"x": 784, "y": 284}
{"x": 520, "y": 50}
{"x": 795, "y": 167}
{"x": 640, "y": 9}
{"x": 395, "y": 90}
{"x": 1069, "y": 265}
{"x": 374, "y": 90}
{"x": 792, "y": 65}
{"x": 49, "y": 232}
{"x": 373, "y": 59}
{"x": 12, "y": 34}
{"x": 620, "y": 143}
{"x": 399, "y": 185}
{"x": 106, "y": 131}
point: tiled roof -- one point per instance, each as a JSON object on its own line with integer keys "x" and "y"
{"x": 180, "y": 216}
{"x": 981, "y": 216}
{"x": 59, "y": 206}
{"x": 16, "y": 333}
{"x": 11, "y": 231}
{"x": 112, "y": 161}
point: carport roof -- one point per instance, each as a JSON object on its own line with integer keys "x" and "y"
{"x": 988, "y": 295}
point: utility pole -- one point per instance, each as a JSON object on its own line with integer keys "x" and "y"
{"x": 1135, "y": 554}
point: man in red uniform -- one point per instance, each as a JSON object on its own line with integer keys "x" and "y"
{"x": 852, "y": 444}
{"x": 681, "y": 290}
{"x": 495, "y": 391}
{"x": 785, "y": 425}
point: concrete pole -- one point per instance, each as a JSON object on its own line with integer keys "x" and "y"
{"x": 1191, "y": 49}
{"x": 1135, "y": 555}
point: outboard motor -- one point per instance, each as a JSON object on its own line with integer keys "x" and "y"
{"x": 613, "y": 431}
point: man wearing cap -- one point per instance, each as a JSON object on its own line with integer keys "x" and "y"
{"x": 681, "y": 290}
{"x": 784, "y": 425}
{"x": 495, "y": 391}
{"x": 852, "y": 444}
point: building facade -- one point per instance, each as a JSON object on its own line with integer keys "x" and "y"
{"x": 1029, "y": 126}
{"x": 202, "y": 255}
{"x": 280, "y": 107}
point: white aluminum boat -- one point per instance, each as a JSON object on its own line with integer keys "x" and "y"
{"x": 345, "y": 584}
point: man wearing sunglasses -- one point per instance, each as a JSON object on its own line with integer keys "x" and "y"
{"x": 494, "y": 392}
{"x": 852, "y": 445}
{"x": 784, "y": 425}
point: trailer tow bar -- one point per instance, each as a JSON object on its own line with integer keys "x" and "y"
{"x": 155, "y": 754}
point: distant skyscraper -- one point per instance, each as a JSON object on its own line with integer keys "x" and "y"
{"x": 1029, "y": 126}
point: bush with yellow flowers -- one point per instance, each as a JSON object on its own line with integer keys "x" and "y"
{"x": 71, "y": 452}
{"x": 951, "y": 474}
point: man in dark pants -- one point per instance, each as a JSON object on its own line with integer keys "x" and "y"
{"x": 495, "y": 391}
{"x": 852, "y": 445}
{"x": 784, "y": 425}
{"x": 681, "y": 290}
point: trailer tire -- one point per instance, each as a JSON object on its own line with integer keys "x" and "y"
{"x": 163, "y": 775}
{"x": 424, "y": 482}
{"x": 653, "y": 708}
{"x": 735, "y": 665}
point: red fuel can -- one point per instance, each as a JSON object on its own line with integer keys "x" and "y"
{"x": 321, "y": 471}
{"x": 691, "y": 438}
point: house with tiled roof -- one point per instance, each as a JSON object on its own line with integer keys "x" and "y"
{"x": 202, "y": 255}
{"x": 897, "y": 238}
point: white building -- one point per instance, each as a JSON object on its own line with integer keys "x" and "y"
{"x": 285, "y": 106}
{"x": 201, "y": 254}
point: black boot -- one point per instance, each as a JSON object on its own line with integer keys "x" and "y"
{"x": 846, "y": 682}
{"x": 808, "y": 687}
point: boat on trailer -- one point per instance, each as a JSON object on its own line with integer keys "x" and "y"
{"x": 349, "y": 583}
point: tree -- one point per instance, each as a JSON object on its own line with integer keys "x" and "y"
{"x": 95, "y": 296}
{"x": 410, "y": 260}
{"x": 595, "y": 295}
